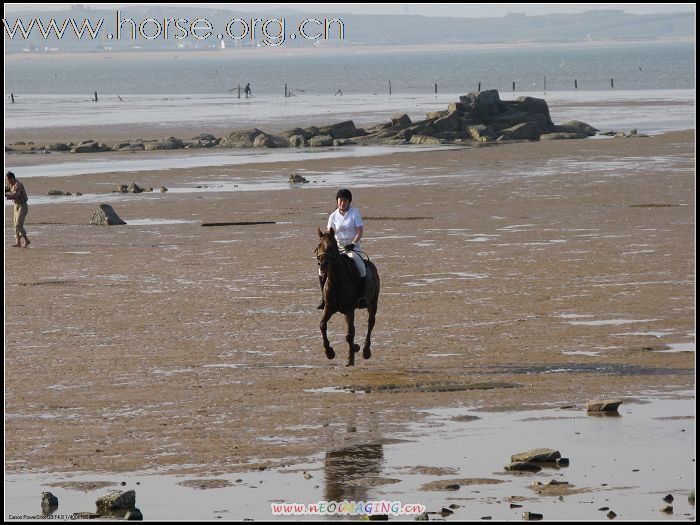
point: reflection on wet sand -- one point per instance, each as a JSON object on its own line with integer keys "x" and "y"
{"x": 346, "y": 469}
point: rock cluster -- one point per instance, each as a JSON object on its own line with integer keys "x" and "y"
{"x": 478, "y": 116}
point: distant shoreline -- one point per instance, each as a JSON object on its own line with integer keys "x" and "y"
{"x": 270, "y": 52}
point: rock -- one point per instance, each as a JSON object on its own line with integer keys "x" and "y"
{"x": 204, "y": 137}
{"x": 116, "y": 500}
{"x": 55, "y": 192}
{"x": 668, "y": 509}
{"x": 434, "y": 115}
{"x": 532, "y": 516}
{"x": 424, "y": 139}
{"x": 481, "y": 132}
{"x": 422, "y": 517}
{"x": 450, "y": 122}
{"x": 668, "y": 498}
{"x": 122, "y": 188}
{"x": 522, "y": 466}
{"x": 133, "y": 515}
{"x": 611, "y": 515}
{"x": 576, "y": 126}
{"x": 536, "y": 455}
{"x": 134, "y": 188}
{"x": 533, "y": 105}
{"x": 59, "y": 146}
{"x": 691, "y": 497}
{"x": 86, "y": 147}
{"x": 603, "y": 405}
{"x": 456, "y": 107}
{"x": 320, "y": 140}
{"x": 563, "y": 462}
{"x": 401, "y": 120}
{"x": 163, "y": 189}
{"x": 562, "y": 136}
{"x": 48, "y": 500}
{"x": 240, "y": 139}
{"x": 297, "y": 141}
{"x": 446, "y": 512}
{"x": 525, "y": 131}
{"x": 264, "y": 140}
{"x": 344, "y": 142}
{"x": 483, "y": 104}
{"x": 164, "y": 144}
{"x": 296, "y": 131}
{"x": 106, "y": 216}
{"x": 341, "y": 130}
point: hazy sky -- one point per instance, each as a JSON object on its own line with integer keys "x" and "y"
{"x": 462, "y": 10}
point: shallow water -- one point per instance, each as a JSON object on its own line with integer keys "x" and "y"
{"x": 626, "y": 463}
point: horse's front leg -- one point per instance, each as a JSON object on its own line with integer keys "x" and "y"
{"x": 330, "y": 354}
{"x": 350, "y": 338}
{"x": 372, "y": 313}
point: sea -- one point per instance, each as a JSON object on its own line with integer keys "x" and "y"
{"x": 647, "y": 86}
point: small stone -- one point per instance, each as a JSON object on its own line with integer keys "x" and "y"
{"x": 668, "y": 509}
{"x": 603, "y": 405}
{"x": 668, "y": 498}
{"x": 611, "y": 515}
{"x": 48, "y": 500}
{"x": 522, "y": 466}
{"x": 532, "y": 516}
{"x": 446, "y": 512}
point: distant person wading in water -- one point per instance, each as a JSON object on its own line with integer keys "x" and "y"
{"x": 14, "y": 191}
{"x": 348, "y": 226}
{"x": 247, "y": 90}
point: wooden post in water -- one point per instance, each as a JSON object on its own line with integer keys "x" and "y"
{"x": 390, "y": 88}
{"x": 575, "y": 84}
{"x": 545, "y": 84}
{"x": 479, "y": 88}
{"x": 612, "y": 83}
{"x": 436, "y": 88}
{"x": 12, "y": 96}
{"x": 95, "y": 97}
{"x": 239, "y": 91}
{"x": 513, "y": 86}
{"x": 285, "y": 91}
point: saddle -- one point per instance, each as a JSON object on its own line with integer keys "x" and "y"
{"x": 369, "y": 277}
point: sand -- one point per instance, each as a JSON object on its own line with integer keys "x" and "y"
{"x": 177, "y": 348}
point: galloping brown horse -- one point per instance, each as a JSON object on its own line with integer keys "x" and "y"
{"x": 340, "y": 293}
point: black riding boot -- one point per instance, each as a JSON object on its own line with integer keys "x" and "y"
{"x": 361, "y": 301}
{"x": 322, "y": 304}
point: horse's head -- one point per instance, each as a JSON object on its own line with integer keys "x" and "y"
{"x": 327, "y": 249}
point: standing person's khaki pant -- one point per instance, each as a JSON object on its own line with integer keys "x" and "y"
{"x": 20, "y": 214}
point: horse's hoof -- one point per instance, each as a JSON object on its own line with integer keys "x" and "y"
{"x": 350, "y": 363}
{"x": 330, "y": 354}
{"x": 366, "y": 353}
{"x": 355, "y": 348}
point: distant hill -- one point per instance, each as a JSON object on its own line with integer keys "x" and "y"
{"x": 359, "y": 29}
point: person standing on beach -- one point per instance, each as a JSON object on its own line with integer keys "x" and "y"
{"x": 349, "y": 228}
{"x": 14, "y": 191}
{"x": 247, "y": 90}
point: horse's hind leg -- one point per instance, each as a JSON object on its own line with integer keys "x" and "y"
{"x": 372, "y": 312}
{"x": 330, "y": 354}
{"x": 350, "y": 338}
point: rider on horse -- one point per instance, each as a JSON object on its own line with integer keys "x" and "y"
{"x": 348, "y": 226}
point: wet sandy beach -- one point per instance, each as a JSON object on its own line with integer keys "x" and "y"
{"x": 522, "y": 277}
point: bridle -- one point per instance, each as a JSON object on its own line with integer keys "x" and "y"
{"x": 324, "y": 257}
